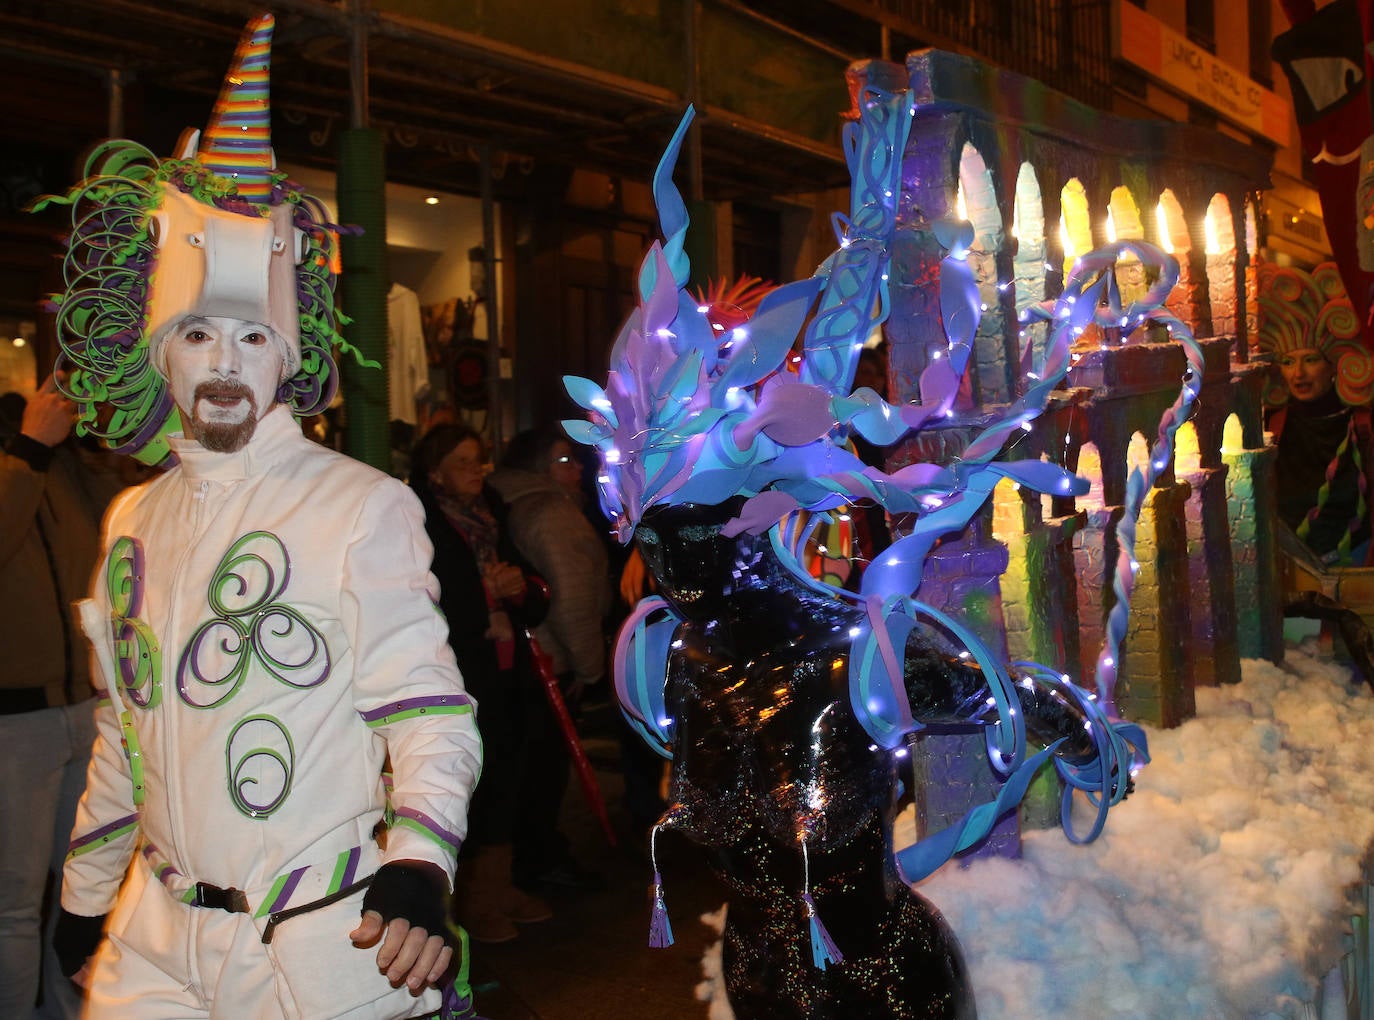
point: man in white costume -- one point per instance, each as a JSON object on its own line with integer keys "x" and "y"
{"x": 264, "y": 620}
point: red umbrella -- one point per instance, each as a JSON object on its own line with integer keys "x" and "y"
{"x": 585, "y": 774}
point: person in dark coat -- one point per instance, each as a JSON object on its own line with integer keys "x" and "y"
{"x": 490, "y": 596}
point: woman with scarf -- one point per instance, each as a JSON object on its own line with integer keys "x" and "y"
{"x": 1321, "y": 417}
{"x": 490, "y": 596}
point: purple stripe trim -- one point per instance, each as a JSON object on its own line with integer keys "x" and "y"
{"x": 164, "y": 870}
{"x": 351, "y": 868}
{"x": 286, "y": 890}
{"x": 104, "y": 830}
{"x": 429, "y": 823}
{"x": 407, "y": 704}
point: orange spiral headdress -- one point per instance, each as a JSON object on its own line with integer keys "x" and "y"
{"x": 1311, "y": 310}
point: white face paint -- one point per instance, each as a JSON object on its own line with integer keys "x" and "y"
{"x": 224, "y": 375}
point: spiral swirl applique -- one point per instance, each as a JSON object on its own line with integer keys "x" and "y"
{"x": 250, "y": 626}
{"x": 137, "y": 654}
{"x": 260, "y": 761}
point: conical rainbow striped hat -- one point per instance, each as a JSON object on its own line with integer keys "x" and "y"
{"x": 237, "y": 143}
{"x": 216, "y": 230}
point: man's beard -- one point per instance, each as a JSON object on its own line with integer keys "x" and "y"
{"x": 223, "y": 437}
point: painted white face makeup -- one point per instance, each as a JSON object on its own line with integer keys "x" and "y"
{"x": 224, "y": 375}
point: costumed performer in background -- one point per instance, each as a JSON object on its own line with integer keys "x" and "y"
{"x": 785, "y": 704}
{"x": 263, "y": 618}
{"x": 1320, "y": 415}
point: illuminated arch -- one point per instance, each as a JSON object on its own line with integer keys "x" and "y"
{"x": 995, "y": 362}
{"x": 1137, "y": 453}
{"x": 1028, "y": 264}
{"x": 1187, "y": 451}
{"x": 1124, "y": 216}
{"x": 1251, "y": 276}
{"x": 1220, "y": 240}
{"x": 1171, "y": 229}
{"x": 1090, "y": 467}
{"x": 1075, "y": 224}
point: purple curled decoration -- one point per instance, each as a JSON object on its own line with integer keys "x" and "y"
{"x": 252, "y": 574}
{"x": 124, "y": 577}
{"x": 195, "y": 661}
{"x": 140, "y": 662}
{"x": 276, "y": 627}
{"x": 252, "y": 625}
{"x": 281, "y": 760}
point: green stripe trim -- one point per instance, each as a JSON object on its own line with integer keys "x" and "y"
{"x": 340, "y": 866}
{"x": 413, "y": 713}
{"x": 402, "y": 822}
{"x": 272, "y": 895}
{"x": 109, "y": 837}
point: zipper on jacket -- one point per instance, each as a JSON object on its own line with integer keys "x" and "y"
{"x": 202, "y": 490}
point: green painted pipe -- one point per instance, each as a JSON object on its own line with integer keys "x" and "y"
{"x": 363, "y": 288}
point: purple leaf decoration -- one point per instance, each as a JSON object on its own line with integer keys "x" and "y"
{"x": 939, "y": 384}
{"x": 692, "y": 332}
{"x": 622, "y": 339}
{"x": 760, "y": 513}
{"x": 660, "y": 309}
{"x": 682, "y": 380}
{"x": 920, "y": 475}
{"x": 789, "y": 412}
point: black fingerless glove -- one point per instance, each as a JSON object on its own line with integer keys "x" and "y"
{"x": 75, "y": 938}
{"x": 403, "y": 890}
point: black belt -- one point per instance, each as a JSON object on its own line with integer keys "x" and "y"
{"x": 234, "y": 901}
{"x": 279, "y": 916}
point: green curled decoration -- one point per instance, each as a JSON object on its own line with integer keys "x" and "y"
{"x": 140, "y": 662}
{"x": 123, "y": 577}
{"x": 281, "y": 621}
{"x": 239, "y": 783}
{"x": 251, "y": 626}
{"x": 133, "y": 754}
{"x": 195, "y": 662}
{"x": 233, "y": 589}
{"x": 138, "y": 656}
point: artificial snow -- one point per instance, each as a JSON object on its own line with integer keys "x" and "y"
{"x": 1222, "y": 887}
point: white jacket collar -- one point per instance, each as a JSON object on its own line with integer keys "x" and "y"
{"x": 277, "y": 432}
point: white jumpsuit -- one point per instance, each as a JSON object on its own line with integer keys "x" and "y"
{"x": 267, "y": 622}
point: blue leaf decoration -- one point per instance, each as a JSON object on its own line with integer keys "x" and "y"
{"x": 584, "y": 432}
{"x": 590, "y": 397}
{"x": 769, "y": 335}
{"x": 1042, "y": 476}
{"x": 672, "y": 210}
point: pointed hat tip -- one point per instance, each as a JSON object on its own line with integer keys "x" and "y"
{"x": 237, "y": 142}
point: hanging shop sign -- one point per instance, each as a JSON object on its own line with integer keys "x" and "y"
{"x": 1171, "y": 59}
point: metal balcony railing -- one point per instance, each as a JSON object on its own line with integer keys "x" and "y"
{"x": 1064, "y": 43}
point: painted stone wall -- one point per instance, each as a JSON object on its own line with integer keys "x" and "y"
{"x": 1041, "y": 177}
